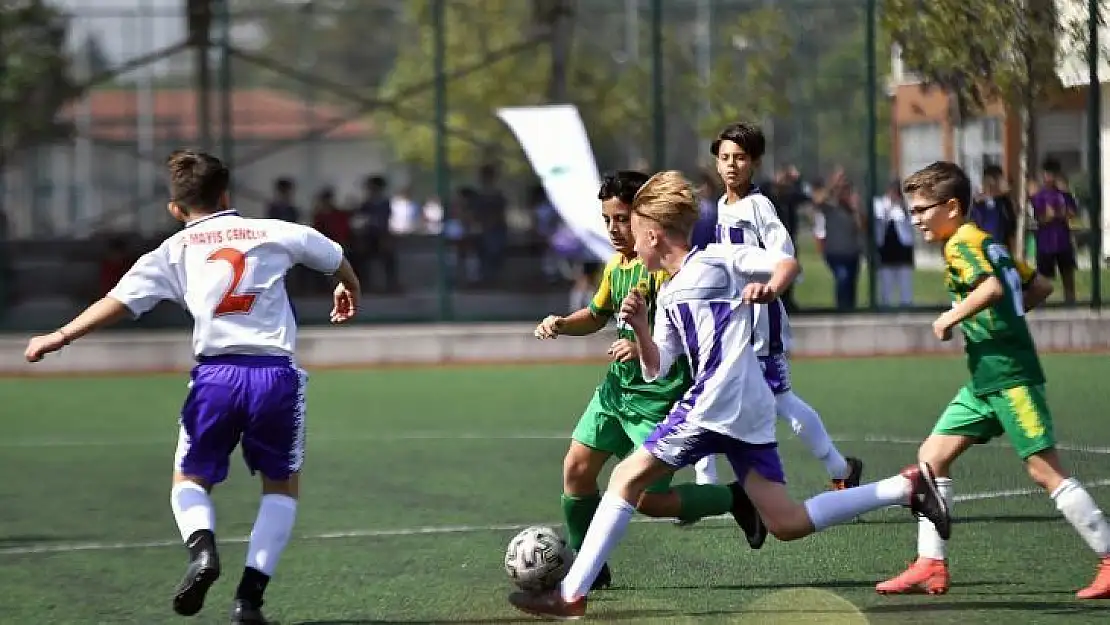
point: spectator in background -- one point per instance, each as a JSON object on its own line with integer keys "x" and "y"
{"x": 545, "y": 221}
{"x": 330, "y": 220}
{"x": 373, "y": 232}
{"x": 433, "y": 215}
{"x": 705, "y": 230}
{"x": 404, "y": 212}
{"x": 282, "y": 205}
{"x": 1053, "y": 209}
{"x": 491, "y": 210}
{"x": 837, "y": 226}
{"x": 789, "y": 197}
{"x": 993, "y": 210}
{"x": 894, "y": 240}
{"x": 461, "y": 232}
{"x": 116, "y": 261}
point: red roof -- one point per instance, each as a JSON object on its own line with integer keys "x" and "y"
{"x": 262, "y": 114}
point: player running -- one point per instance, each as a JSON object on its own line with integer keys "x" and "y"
{"x": 990, "y": 294}
{"x": 704, "y": 313}
{"x": 625, "y": 409}
{"x": 746, "y": 217}
{"x": 229, "y": 273}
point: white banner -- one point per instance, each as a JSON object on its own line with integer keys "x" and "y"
{"x": 555, "y": 142}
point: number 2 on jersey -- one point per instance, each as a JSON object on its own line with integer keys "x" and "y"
{"x": 233, "y": 303}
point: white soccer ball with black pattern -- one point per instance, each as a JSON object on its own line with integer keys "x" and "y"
{"x": 538, "y": 559}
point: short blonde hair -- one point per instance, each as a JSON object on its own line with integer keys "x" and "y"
{"x": 667, "y": 198}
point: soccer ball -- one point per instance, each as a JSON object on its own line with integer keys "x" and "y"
{"x": 538, "y": 559}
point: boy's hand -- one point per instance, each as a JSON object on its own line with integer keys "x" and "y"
{"x": 623, "y": 350}
{"x": 942, "y": 327}
{"x": 755, "y": 293}
{"x": 42, "y": 345}
{"x": 345, "y": 304}
{"x": 634, "y": 309}
{"x": 549, "y": 328}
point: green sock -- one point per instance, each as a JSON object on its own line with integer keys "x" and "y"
{"x": 577, "y": 513}
{"x": 702, "y": 500}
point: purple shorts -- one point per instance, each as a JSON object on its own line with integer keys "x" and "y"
{"x": 776, "y": 371}
{"x": 258, "y": 401}
{"x": 679, "y": 443}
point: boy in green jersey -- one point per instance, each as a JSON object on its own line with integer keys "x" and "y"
{"x": 625, "y": 409}
{"x": 990, "y": 294}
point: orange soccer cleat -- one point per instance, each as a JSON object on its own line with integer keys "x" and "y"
{"x": 1100, "y": 588}
{"x": 926, "y": 575}
{"x": 548, "y": 604}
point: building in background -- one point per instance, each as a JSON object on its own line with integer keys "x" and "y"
{"x": 101, "y": 179}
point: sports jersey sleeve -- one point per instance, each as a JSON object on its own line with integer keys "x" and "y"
{"x": 316, "y": 251}
{"x": 669, "y": 343}
{"x": 601, "y": 304}
{"x": 967, "y": 260}
{"x": 772, "y": 232}
{"x": 756, "y": 265}
{"x": 149, "y": 281}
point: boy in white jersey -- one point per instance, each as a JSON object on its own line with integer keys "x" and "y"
{"x": 747, "y": 217}
{"x": 229, "y": 273}
{"x": 705, "y": 313}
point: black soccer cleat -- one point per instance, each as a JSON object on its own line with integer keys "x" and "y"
{"x": 202, "y": 572}
{"x": 243, "y": 613}
{"x": 747, "y": 517}
{"x": 604, "y": 578}
{"x": 925, "y": 498}
{"x": 855, "y": 475}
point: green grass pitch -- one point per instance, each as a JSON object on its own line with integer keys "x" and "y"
{"x": 416, "y": 478}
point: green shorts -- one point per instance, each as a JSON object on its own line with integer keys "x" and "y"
{"x": 1020, "y": 412}
{"x": 609, "y": 431}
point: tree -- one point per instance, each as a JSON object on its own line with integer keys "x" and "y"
{"x": 35, "y": 82}
{"x": 478, "y": 35}
{"x": 91, "y": 56}
{"x": 982, "y": 50}
{"x": 747, "y": 82}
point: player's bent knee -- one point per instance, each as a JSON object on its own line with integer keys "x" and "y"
{"x": 1045, "y": 470}
{"x": 290, "y": 486}
{"x": 940, "y": 451}
{"x": 580, "y": 471}
{"x": 179, "y": 478}
{"x": 793, "y": 527}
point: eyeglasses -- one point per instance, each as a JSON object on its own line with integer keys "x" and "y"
{"x": 921, "y": 210}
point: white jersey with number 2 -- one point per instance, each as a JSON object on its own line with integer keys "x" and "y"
{"x": 229, "y": 272}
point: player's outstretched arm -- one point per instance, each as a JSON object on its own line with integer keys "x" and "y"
{"x": 345, "y": 301}
{"x": 102, "y": 313}
{"x": 1035, "y": 292}
{"x": 581, "y": 322}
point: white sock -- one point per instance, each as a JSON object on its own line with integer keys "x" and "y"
{"x": 705, "y": 470}
{"x": 271, "y": 531}
{"x": 192, "y": 509}
{"x": 1084, "y": 515}
{"x": 929, "y": 542}
{"x": 606, "y": 530}
{"x": 807, "y": 425}
{"x": 840, "y": 506}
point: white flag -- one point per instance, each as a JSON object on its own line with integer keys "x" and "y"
{"x": 555, "y": 143}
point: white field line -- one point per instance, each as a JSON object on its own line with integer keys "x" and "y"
{"x": 38, "y": 549}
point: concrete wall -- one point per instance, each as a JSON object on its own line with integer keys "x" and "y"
{"x": 856, "y": 335}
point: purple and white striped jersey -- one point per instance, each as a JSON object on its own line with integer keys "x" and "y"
{"x": 700, "y": 315}
{"x": 752, "y": 220}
